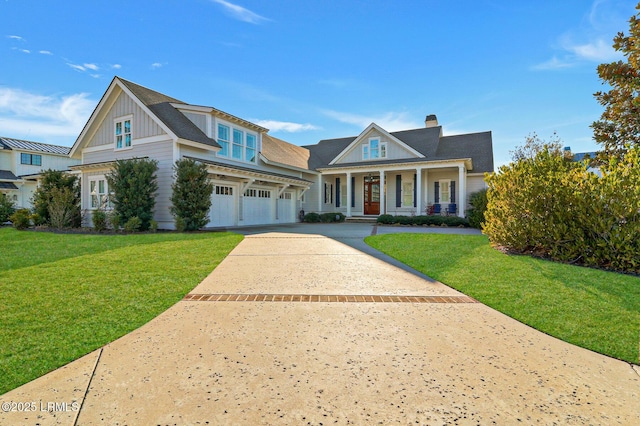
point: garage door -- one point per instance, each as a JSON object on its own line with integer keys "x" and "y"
{"x": 286, "y": 208}
{"x": 257, "y": 207}
{"x": 223, "y": 205}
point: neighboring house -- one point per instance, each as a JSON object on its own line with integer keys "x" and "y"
{"x": 21, "y": 163}
{"x": 260, "y": 179}
{"x": 585, "y": 156}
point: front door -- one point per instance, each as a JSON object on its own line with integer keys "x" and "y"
{"x": 372, "y": 195}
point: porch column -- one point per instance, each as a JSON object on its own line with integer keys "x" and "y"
{"x": 419, "y": 191}
{"x": 462, "y": 190}
{"x": 320, "y": 193}
{"x": 349, "y": 189}
{"x": 383, "y": 206}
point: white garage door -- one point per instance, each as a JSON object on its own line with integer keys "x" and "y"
{"x": 286, "y": 208}
{"x": 257, "y": 207}
{"x": 223, "y": 205}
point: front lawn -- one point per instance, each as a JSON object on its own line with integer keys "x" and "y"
{"x": 63, "y": 296}
{"x": 591, "y": 308}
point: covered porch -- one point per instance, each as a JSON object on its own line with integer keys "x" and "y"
{"x": 411, "y": 188}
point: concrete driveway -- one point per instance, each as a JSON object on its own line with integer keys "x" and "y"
{"x": 300, "y": 328}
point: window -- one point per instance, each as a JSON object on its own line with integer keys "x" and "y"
{"x": 223, "y": 140}
{"x": 445, "y": 196}
{"x": 250, "y": 150}
{"x": 98, "y": 193}
{"x": 374, "y": 149}
{"x": 328, "y": 193}
{"x": 343, "y": 195}
{"x": 123, "y": 133}
{"x": 224, "y": 190}
{"x": 31, "y": 159}
{"x": 237, "y": 144}
{"x": 238, "y": 138}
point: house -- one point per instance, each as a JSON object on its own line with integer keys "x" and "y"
{"x": 21, "y": 163}
{"x": 260, "y": 179}
{"x": 584, "y": 156}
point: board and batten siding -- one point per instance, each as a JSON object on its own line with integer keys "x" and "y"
{"x": 142, "y": 125}
{"x": 394, "y": 150}
{"x": 200, "y": 120}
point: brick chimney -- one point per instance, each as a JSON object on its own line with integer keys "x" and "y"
{"x": 431, "y": 121}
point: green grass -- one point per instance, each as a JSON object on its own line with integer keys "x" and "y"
{"x": 63, "y": 296}
{"x": 595, "y": 309}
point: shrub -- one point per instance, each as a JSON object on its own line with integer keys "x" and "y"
{"x": 180, "y": 224}
{"x": 153, "y": 226}
{"x": 6, "y": 208}
{"x": 21, "y": 219}
{"x": 99, "y": 220}
{"x": 37, "y": 219}
{"x": 332, "y": 217}
{"x": 191, "y": 197}
{"x": 114, "y": 219}
{"x": 43, "y": 196}
{"x": 475, "y": 214}
{"x": 312, "y": 218}
{"x": 404, "y": 220}
{"x": 133, "y": 185}
{"x": 385, "y": 219}
{"x": 133, "y": 224}
{"x": 62, "y": 207}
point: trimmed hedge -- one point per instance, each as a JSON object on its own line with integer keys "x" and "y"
{"x": 387, "y": 219}
{"x": 324, "y": 217}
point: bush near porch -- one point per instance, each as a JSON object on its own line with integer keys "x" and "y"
{"x": 432, "y": 220}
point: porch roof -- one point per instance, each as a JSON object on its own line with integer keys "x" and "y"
{"x": 259, "y": 174}
{"x": 402, "y": 163}
{"x": 7, "y": 185}
{"x": 7, "y": 175}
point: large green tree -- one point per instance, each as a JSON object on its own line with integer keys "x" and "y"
{"x": 51, "y": 182}
{"x": 132, "y": 187}
{"x": 191, "y": 197}
{"x": 619, "y": 126}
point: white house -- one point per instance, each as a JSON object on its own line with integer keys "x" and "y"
{"x": 260, "y": 179}
{"x": 21, "y": 163}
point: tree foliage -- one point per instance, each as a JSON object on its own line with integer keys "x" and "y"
{"x": 191, "y": 197}
{"x": 619, "y": 126}
{"x": 552, "y": 207}
{"x": 475, "y": 215}
{"x": 53, "y": 182}
{"x": 6, "y": 207}
{"x": 132, "y": 187}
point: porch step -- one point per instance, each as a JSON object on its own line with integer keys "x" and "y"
{"x": 361, "y": 219}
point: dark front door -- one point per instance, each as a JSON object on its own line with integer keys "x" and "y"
{"x": 372, "y": 195}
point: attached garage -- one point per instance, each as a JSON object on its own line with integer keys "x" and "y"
{"x": 223, "y": 205}
{"x": 286, "y": 208}
{"x": 258, "y": 206}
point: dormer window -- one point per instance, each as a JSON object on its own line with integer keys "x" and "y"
{"x": 236, "y": 143}
{"x": 374, "y": 149}
{"x": 123, "y": 133}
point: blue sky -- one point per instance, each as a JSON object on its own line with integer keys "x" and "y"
{"x": 312, "y": 70}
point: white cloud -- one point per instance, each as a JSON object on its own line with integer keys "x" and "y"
{"x": 45, "y": 52}
{"x": 390, "y": 121}
{"x": 116, "y": 66}
{"x": 157, "y": 65}
{"x": 240, "y": 13}
{"x": 16, "y": 37}
{"x": 285, "y": 126}
{"x": 596, "y": 51}
{"x": 554, "y": 64}
{"x": 93, "y": 67}
{"x": 77, "y": 67}
{"x": 43, "y": 117}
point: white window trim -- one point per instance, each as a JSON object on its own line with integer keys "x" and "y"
{"x": 231, "y": 142}
{"x": 382, "y": 149}
{"x": 448, "y": 182}
{"x": 115, "y": 138}
{"x": 403, "y": 195}
{"x": 105, "y": 204}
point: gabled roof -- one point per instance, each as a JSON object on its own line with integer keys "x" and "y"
{"x": 365, "y": 132}
{"x": 7, "y": 175}
{"x": 160, "y": 106}
{"x": 427, "y": 141}
{"x": 19, "y": 144}
{"x": 276, "y": 150}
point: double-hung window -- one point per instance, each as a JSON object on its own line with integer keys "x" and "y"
{"x": 123, "y": 133}
{"x": 250, "y": 150}
{"x": 374, "y": 149}
{"x": 98, "y": 192}
{"x": 238, "y": 139}
{"x": 223, "y": 140}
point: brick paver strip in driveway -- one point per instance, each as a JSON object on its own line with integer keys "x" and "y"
{"x": 333, "y": 361}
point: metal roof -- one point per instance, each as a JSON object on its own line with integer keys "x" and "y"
{"x": 19, "y": 144}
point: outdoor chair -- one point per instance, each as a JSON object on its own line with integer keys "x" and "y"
{"x": 452, "y": 209}
{"x": 436, "y": 209}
